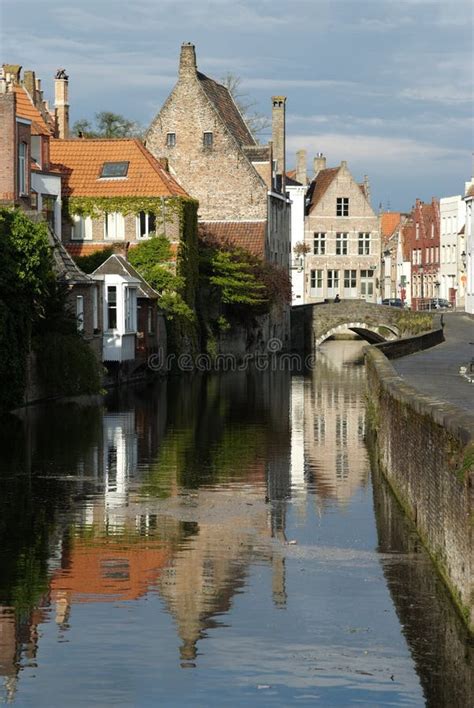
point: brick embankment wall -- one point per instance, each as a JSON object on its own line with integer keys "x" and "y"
{"x": 409, "y": 345}
{"x": 426, "y": 451}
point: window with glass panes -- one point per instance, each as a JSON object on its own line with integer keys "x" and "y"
{"x": 350, "y": 278}
{"x": 364, "y": 244}
{"x": 333, "y": 278}
{"x": 146, "y": 224}
{"x": 319, "y": 244}
{"x": 316, "y": 279}
{"x": 341, "y": 244}
{"x": 342, "y": 206}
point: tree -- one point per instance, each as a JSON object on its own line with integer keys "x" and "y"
{"x": 151, "y": 259}
{"x": 107, "y": 125}
{"x": 255, "y": 121}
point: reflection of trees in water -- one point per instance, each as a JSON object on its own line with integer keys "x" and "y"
{"x": 438, "y": 641}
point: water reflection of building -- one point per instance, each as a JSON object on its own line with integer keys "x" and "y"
{"x": 334, "y": 422}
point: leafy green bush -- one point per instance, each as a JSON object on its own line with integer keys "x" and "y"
{"x": 67, "y": 366}
{"x": 89, "y": 263}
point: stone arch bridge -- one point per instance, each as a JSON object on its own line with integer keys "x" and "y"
{"x": 311, "y": 325}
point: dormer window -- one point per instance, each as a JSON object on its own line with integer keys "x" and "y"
{"x": 170, "y": 140}
{"x": 207, "y": 139}
{"x": 113, "y": 170}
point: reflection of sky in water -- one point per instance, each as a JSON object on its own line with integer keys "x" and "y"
{"x": 227, "y": 529}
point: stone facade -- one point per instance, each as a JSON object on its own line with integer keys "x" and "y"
{"x": 452, "y": 277}
{"x": 214, "y": 156}
{"x": 342, "y": 233}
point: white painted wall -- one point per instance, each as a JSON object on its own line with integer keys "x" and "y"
{"x": 118, "y": 343}
{"x": 469, "y": 248}
{"x": 48, "y": 184}
{"x": 297, "y": 270}
{"x": 452, "y": 219}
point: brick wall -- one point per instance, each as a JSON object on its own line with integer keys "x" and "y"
{"x": 221, "y": 178}
{"x": 423, "y": 448}
{"x": 7, "y": 147}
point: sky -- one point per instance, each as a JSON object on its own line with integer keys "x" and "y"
{"x": 385, "y": 84}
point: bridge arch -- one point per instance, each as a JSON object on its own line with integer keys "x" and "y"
{"x": 371, "y": 333}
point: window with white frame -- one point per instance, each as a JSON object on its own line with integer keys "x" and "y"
{"x": 22, "y": 165}
{"x": 146, "y": 224}
{"x": 366, "y": 283}
{"x": 342, "y": 206}
{"x": 316, "y": 279}
{"x": 319, "y": 244}
{"x": 333, "y": 279}
{"x": 417, "y": 231}
{"x": 341, "y": 244}
{"x": 350, "y": 278}
{"x": 114, "y": 226}
{"x": 95, "y": 308}
{"x": 111, "y": 307}
{"x": 130, "y": 309}
{"x": 81, "y": 228}
{"x": 170, "y": 139}
{"x": 80, "y": 312}
{"x": 364, "y": 244}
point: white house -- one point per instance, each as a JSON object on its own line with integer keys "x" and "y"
{"x": 469, "y": 247}
{"x": 297, "y": 195}
{"x": 451, "y": 275}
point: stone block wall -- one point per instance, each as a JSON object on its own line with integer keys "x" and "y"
{"x": 426, "y": 451}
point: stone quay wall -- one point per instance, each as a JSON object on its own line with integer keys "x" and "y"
{"x": 425, "y": 450}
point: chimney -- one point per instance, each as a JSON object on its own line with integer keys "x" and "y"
{"x": 279, "y": 136}
{"x": 319, "y": 163}
{"x": 29, "y": 82}
{"x": 344, "y": 164}
{"x": 301, "y": 167}
{"x": 61, "y": 103}
{"x": 187, "y": 61}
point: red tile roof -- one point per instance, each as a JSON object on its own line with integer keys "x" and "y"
{"x": 388, "y": 223}
{"x": 27, "y": 110}
{"x": 319, "y": 186}
{"x": 80, "y": 161}
{"x": 249, "y": 235}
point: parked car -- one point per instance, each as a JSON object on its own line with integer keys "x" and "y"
{"x": 438, "y": 303}
{"x": 393, "y": 302}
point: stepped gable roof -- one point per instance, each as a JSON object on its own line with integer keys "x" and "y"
{"x": 81, "y": 160}
{"x": 117, "y": 264}
{"x": 223, "y": 102}
{"x": 26, "y": 109}
{"x": 248, "y": 235}
{"x": 389, "y": 222}
{"x": 320, "y": 185}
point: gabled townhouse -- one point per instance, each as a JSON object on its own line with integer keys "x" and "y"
{"x": 396, "y": 266}
{"x": 27, "y": 177}
{"x": 296, "y": 185}
{"x": 28, "y": 180}
{"x": 342, "y": 235}
{"x": 422, "y": 236}
{"x": 240, "y": 184}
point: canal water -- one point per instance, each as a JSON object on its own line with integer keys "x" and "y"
{"x": 217, "y": 540}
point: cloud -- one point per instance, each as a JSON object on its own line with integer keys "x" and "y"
{"x": 397, "y": 153}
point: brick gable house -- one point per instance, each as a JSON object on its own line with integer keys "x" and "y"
{"x": 239, "y": 183}
{"x": 422, "y": 239}
{"x": 342, "y": 233}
